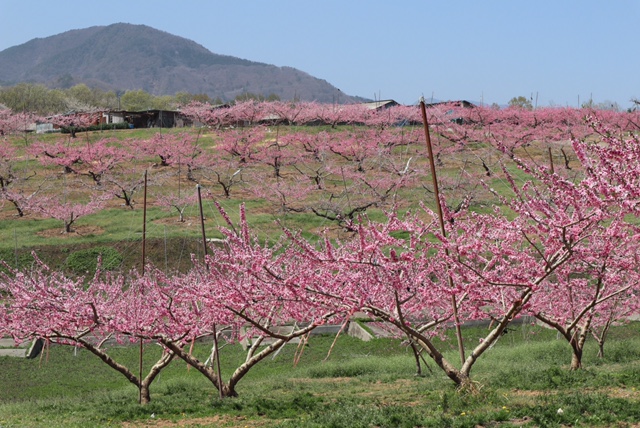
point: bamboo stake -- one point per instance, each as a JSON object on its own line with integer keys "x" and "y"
{"x": 436, "y": 192}
{"x": 204, "y": 236}
{"x": 144, "y": 262}
{"x": 215, "y": 334}
{"x": 216, "y": 351}
{"x": 144, "y": 223}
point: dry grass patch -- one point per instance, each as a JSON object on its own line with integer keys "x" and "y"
{"x": 209, "y": 421}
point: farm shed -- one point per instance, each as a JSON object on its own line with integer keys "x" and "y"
{"x": 458, "y": 103}
{"x": 452, "y": 104}
{"x": 156, "y": 119}
{"x": 380, "y": 104}
{"x": 146, "y": 118}
{"x": 113, "y": 117}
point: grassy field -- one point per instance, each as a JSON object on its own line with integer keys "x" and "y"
{"x": 172, "y": 242}
{"x": 523, "y": 381}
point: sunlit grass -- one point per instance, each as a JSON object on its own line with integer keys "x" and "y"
{"x": 523, "y": 380}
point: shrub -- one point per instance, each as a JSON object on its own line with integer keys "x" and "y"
{"x": 20, "y": 260}
{"x": 86, "y": 261}
{"x": 103, "y": 126}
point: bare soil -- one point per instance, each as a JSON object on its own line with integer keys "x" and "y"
{"x": 76, "y": 231}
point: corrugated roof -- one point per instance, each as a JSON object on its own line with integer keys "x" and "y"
{"x": 374, "y": 105}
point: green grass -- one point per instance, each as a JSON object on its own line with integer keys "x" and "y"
{"x": 118, "y": 226}
{"x": 522, "y": 381}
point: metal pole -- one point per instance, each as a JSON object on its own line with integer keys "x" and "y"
{"x": 436, "y": 192}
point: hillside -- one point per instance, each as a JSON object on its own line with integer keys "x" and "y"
{"x": 127, "y": 57}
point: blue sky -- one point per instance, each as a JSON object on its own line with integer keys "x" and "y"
{"x": 561, "y": 52}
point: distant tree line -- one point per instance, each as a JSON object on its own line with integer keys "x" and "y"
{"x": 526, "y": 103}
{"x": 38, "y": 99}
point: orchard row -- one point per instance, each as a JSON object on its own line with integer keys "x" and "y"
{"x": 334, "y": 173}
{"x": 561, "y": 246}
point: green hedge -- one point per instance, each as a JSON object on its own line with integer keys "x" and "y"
{"x": 85, "y": 262}
{"x": 102, "y": 126}
{"x": 20, "y": 261}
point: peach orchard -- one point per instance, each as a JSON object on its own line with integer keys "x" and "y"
{"x": 557, "y": 242}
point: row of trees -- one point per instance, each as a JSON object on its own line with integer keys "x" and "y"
{"x": 336, "y": 174}
{"x": 304, "y": 113}
{"x": 560, "y": 246}
{"x": 528, "y": 104}
{"x": 41, "y": 100}
{"x": 38, "y": 99}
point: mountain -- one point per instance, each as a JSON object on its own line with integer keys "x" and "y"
{"x": 128, "y": 57}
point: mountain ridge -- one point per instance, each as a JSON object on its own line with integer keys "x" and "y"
{"x": 130, "y": 57}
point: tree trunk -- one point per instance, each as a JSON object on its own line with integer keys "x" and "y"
{"x": 208, "y": 372}
{"x": 126, "y": 198}
{"x": 190, "y": 176}
{"x": 145, "y": 394}
{"x": 416, "y": 354}
{"x": 575, "y": 335}
{"x": 462, "y": 380}
{"x": 17, "y": 207}
{"x": 180, "y": 214}
{"x": 108, "y": 360}
{"x": 576, "y": 359}
{"x": 576, "y": 356}
{"x": 229, "y": 391}
{"x": 577, "y": 344}
{"x": 145, "y": 384}
{"x": 601, "y": 349}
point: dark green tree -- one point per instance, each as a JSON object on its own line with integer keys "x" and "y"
{"x": 136, "y": 100}
{"x": 33, "y": 98}
{"x": 522, "y": 102}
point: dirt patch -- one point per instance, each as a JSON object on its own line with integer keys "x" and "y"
{"x": 210, "y": 421}
{"x": 322, "y": 380}
{"x": 77, "y": 231}
{"x": 8, "y": 214}
{"x": 528, "y": 393}
{"x": 626, "y": 393}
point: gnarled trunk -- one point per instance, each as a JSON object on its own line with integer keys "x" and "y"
{"x": 576, "y": 335}
{"x": 576, "y": 359}
{"x": 208, "y": 372}
{"x": 144, "y": 384}
{"x": 577, "y": 346}
{"x": 145, "y": 394}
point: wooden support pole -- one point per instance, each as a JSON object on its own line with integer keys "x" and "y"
{"x": 436, "y": 192}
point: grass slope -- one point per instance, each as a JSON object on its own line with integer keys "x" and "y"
{"x": 524, "y": 381}
{"x": 121, "y": 228}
